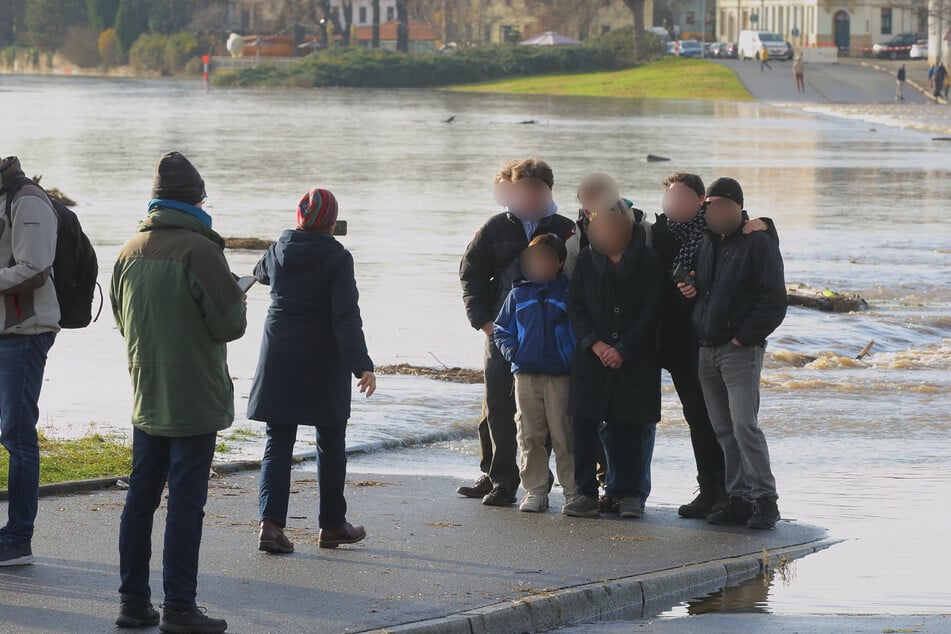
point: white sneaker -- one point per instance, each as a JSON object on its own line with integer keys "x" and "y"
{"x": 533, "y": 503}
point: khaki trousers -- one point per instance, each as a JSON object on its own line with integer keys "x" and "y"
{"x": 541, "y": 409}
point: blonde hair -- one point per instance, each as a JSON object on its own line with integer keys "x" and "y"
{"x": 504, "y": 175}
{"x": 534, "y": 168}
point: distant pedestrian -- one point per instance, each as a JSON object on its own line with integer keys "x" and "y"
{"x": 534, "y": 334}
{"x": 900, "y": 89}
{"x": 940, "y": 77}
{"x": 177, "y": 306}
{"x": 30, "y": 320}
{"x": 764, "y": 58}
{"x": 799, "y": 73}
{"x": 313, "y": 342}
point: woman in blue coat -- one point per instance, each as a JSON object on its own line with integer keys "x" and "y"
{"x": 313, "y": 341}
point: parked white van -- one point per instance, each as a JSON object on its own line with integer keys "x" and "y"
{"x": 752, "y": 41}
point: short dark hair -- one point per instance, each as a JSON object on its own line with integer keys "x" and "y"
{"x": 534, "y": 168}
{"x": 553, "y": 242}
{"x": 692, "y": 181}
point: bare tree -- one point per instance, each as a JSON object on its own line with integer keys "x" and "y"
{"x": 340, "y": 21}
{"x": 402, "y": 27}
{"x": 637, "y": 9}
{"x": 567, "y": 16}
{"x": 375, "y": 6}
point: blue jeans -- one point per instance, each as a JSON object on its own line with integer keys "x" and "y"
{"x": 184, "y": 463}
{"x": 331, "y": 474}
{"x": 22, "y": 363}
{"x": 628, "y": 449}
{"x": 730, "y": 377}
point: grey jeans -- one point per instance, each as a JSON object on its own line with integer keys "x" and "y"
{"x": 730, "y": 377}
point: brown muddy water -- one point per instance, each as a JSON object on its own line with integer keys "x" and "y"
{"x": 860, "y": 446}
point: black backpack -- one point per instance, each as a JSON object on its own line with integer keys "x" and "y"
{"x": 75, "y": 267}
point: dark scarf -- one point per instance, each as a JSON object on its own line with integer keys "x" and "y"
{"x": 689, "y": 234}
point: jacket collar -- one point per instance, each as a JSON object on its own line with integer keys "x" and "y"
{"x": 191, "y": 210}
{"x": 559, "y": 282}
{"x": 161, "y": 217}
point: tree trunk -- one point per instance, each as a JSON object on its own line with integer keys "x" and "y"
{"x": 637, "y": 9}
{"x": 347, "y": 24}
{"x": 375, "y": 5}
{"x": 402, "y": 27}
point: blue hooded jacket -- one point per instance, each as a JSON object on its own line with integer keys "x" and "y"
{"x": 533, "y": 332}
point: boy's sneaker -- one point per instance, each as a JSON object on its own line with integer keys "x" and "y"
{"x": 582, "y": 506}
{"x": 608, "y": 504}
{"x": 191, "y": 620}
{"x": 533, "y": 503}
{"x": 479, "y": 489}
{"x": 15, "y": 553}
{"x": 135, "y": 614}
{"x": 766, "y": 515}
{"x": 630, "y": 507}
{"x": 499, "y": 497}
{"x": 737, "y": 512}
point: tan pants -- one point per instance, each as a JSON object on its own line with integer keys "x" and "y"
{"x": 541, "y": 409}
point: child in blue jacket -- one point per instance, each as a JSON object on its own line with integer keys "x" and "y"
{"x": 534, "y": 334}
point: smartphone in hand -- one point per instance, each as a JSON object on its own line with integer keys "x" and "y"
{"x": 246, "y": 282}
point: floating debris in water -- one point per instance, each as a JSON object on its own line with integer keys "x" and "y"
{"x": 453, "y": 375}
{"x": 248, "y": 244}
{"x": 653, "y": 158}
{"x": 824, "y": 299}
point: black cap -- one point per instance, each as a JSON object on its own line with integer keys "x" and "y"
{"x": 177, "y": 179}
{"x": 726, "y": 188}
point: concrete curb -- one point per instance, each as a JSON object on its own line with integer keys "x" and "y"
{"x": 96, "y": 484}
{"x": 911, "y": 82}
{"x": 625, "y": 598}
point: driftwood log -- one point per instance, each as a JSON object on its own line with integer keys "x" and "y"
{"x": 824, "y": 299}
{"x": 248, "y": 244}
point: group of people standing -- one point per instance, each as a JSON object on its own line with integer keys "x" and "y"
{"x": 579, "y": 319}
{"x": 177, "y": 304}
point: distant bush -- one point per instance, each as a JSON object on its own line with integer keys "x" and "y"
{"x": 81, "y": 46}
{"x": 110, "y": 50}
{"x": 166, "y": 54}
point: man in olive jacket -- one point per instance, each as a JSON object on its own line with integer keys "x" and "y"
{"x": 177, "y": 305}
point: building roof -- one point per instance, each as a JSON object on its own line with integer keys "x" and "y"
{"x": 418, "y": 32}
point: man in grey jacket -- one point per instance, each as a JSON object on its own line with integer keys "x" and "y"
{"x": 29, "y": 321}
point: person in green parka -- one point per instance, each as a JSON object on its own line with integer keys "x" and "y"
{"x": 177, "y": 305}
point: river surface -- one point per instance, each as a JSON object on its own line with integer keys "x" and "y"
{"x": 860, "y": 446}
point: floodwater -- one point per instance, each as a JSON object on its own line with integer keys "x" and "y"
{"x": 860, "y": 446}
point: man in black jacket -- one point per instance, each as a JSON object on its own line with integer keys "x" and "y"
{"x": 489, "y": 268}
{"x": 741, "y": 300}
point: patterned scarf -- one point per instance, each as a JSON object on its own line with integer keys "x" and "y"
{"x": 689, "y": 235}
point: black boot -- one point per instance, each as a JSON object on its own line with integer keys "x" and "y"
{"x": 191, "y": 620}
{"x": 478, "y": 490}
{"x": 711, "y": 492}
{"x": 499, "y": 497}
{"x": 766, "y": 515}
{"x": 736, "y": 513}
{"x": 134, "y": 614}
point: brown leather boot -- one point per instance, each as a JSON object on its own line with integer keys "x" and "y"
{"x": 272, "y": 539}
{"x": 346, "y": 534}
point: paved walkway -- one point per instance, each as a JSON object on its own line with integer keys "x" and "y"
{"x": 429, "y": 554}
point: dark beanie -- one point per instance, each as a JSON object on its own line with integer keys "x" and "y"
{"x": 177, "y": 179}
{"x": 726, "y": 188}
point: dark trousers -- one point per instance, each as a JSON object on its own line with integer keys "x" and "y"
{"x": 22, "y": 363}
{"x": 331, "y": 474}
{"x": 184, "y": 463}
{"x": 497, "y": 432}
{"x": 628, "y": 449}
{"x": 683, "y": 366}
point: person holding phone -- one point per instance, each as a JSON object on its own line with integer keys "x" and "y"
{"x": 313, "y": 341}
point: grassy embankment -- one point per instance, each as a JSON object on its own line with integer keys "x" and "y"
{"x": 668, "y": 78}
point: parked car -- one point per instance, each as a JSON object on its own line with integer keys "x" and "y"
{"x": 897, "y": 47}
{"x": 715, "y": 50}
{"x": 671, "y": 48}
{"x": 691, "y": 48}
{"x": 752, "y": 41}
{"x": 730, "y": 50}
{"x": 919, "y": 50}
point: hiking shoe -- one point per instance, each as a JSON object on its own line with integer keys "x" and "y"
{"x": 479, "y": 489}
{"x": 191, "y": 620}
{"x": 534, "y": 503}
{"x": 346, "y": 534}
{"x": 737, "y": 512}
{"x": 608, "y": 504}
{"x": 766, "y": 515}
{"x": 15, "y": 553}
{"x": 582, "y": 506}
{"x": 136, "y": 614}
{"x": 630, "y": 507}
{"x": 711, "y": 493}
{"x": 498, "y": 497}
{"x": 272, "y": 539}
